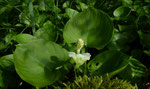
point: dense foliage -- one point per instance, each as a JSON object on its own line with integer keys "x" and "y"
{"x": 97, "y": 83}
{"x": 45, "y": 42}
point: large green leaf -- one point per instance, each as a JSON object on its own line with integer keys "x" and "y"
{"x": 92, "y": 25}
{"x": 39, "y": 62}
{"x": 47, "y": 32}
{"x": 110, "y": 61}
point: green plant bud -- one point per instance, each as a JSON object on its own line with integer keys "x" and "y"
{"x": 80, "y": 45}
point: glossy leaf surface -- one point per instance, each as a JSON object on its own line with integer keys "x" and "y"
{"x": 110, "y": 61}
{"x": 92, "y": 25}
{"x": 121, "y": 12}
{"x": 36, "y": 62}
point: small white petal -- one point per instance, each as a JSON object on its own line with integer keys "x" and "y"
{"x": 86, "y": 56}
{"x": 72, "y": 54}
{"x": 79, "y": 59}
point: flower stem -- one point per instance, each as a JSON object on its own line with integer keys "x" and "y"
{"x": 78, "y": 51}
{"x": 85, "y": 68}
{"x": 75, "y": 72}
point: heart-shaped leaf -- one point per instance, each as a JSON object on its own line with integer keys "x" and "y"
{"x": 92, "y": 25}
{"x": 39, "y": 62}
{"x": 110, "y": 61}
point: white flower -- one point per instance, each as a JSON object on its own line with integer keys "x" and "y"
{"x": 79, "y": 58}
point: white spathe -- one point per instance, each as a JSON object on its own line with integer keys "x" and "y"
{"x": 79, "y": 59}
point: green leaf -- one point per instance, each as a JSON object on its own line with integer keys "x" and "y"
{"x": 8, "y": 73}
{"x": 71, "y": 12}
{"x": 6, "y": 62}
{"x": 31, "y": 12}
{"x": 92, "y": 25}
{"x": 110, "y": 61}
{"x": 145, "y": 38}
{"x": 40, "y": 19}
{"x": 47, "y": 32}
{"x": 122, "y": 12}
{"x": 2, "y": 45}
{"x": 134, "y": 70}
{"x": 126, "y": 27}
{"x": 4, "y": 42}
{"x": 83, "y": 6}
{"x": 147, "y": 52}
{"x": 127, "y": 2}
{"x": 24, "y": 17}
{"x": 8, "y": 37}
{"x": 65, "y": 4}
{"x": 147, "y": 9}
{"x": 23, "y": 38}
{"x": 42, "y": 5}
{"x": 46, "y": 5}
{"x": 39, "y": 62}
{"x": 121, "y": 40}
{"x": 137, "y": 68}
{"x": 3, "y": 9}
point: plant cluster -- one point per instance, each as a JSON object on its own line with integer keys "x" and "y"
{"x": 43, "y": 42}
{"x": 97, "y": 82}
